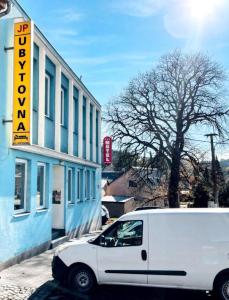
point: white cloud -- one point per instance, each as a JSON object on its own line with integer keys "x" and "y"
{"x": 92, "y": 61}
{"x": 119, "y": 57}
{"x": 69, "y": 15}
{"x": 61, "y": 32}
{"x": 69, "y": 36}
{"x": 143, "y": 8}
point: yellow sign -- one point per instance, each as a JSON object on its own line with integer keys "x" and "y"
{"x": 22, "y": 82}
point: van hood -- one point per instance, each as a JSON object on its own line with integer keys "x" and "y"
{"x": 75, "y": 242}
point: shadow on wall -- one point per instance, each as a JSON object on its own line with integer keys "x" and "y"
{"x": 94, "y": 224}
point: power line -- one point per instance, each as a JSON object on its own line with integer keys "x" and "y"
{"x": 195, "y": 140}
{"x": 225, "y": 142}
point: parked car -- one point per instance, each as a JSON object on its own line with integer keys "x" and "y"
{"x": 179, "y": 248}
{"x": 105, "y": 214}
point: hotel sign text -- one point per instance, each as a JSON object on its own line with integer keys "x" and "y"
{"x": 22, "y": 83}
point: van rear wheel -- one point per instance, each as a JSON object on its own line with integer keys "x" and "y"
{"x": 222, "y": 288}
{"x": 81, "y": 279}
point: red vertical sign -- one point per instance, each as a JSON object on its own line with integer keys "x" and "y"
{"x": 107, "y": 150}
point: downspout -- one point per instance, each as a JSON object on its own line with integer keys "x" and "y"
{"x": 5, "y": 7}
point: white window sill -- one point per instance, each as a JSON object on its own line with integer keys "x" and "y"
{"x": 21, "y": 215}
{"x": 71, "y": 204}
{"x": 41, "y": 210}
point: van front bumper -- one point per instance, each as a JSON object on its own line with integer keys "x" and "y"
{"x": 59, "y": 269}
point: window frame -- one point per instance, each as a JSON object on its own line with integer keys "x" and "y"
{"x": 41, "y": 164}
{"x": 47, "y": 76}
{"x": 75, "y": 115}
{"x": 24, "y": 209}
{"x": 97, "y": 241}
{"x": 79, "y": 185}
{"x": 87, "y": 185}
{"x": 62, "y": 107}
{"x": 71, "y": 201}
{"x": 93, "y": 185}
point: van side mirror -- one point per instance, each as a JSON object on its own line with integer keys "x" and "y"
{"x": 102, "y": 241}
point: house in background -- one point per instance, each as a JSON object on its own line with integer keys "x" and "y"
{"x": 133, "y": 188}
{"x": 108, "y": 177}
{"x": 119, "y": 205}
{"x": 49, "y": 187}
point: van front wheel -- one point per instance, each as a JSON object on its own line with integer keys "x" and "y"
{"x": 222, "y": 288}
{"x": 81, "y": 279}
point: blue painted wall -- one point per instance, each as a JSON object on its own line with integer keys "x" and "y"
{"x": 83, "y": 212}
{"x": 20, "y": 233}
{"x": 24, "y": 232}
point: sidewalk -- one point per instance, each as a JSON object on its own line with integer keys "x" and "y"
{"x": 32, "y": 278}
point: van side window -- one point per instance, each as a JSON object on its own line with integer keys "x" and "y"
{"x": 123, "y": 234}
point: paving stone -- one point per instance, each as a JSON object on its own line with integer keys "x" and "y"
{"x": 11, "y": 292}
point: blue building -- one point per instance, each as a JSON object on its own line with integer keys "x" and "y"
{"x": 50, "y": 184}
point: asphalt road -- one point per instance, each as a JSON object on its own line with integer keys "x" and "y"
{"x": 131, "y": 293}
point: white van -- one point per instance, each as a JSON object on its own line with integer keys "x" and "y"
{"x": 176, "y": 248}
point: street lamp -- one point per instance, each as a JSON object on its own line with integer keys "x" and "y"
{"x": 4, "y": 7}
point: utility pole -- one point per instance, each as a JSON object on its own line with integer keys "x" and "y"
{"x": 214, "y": 179}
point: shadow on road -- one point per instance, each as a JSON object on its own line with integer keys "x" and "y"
{"x": 44, "y": 290}
{"x": 130, "y": 293}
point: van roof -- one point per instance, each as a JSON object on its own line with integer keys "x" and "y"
{"x": 179, "y": 211}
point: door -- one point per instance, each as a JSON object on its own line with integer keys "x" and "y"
{"x": 122, "y": 253}
{"x": 58, "y": 198}
{"x": 170, "y": 250}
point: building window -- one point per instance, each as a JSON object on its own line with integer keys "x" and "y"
{"x": 91, "y": 132}
{"x": 97, "y": 136}
{"x": 79, "y": 185}
{"x": 62, "y": 107}
{"x": 21, "y": 170}
{"x": 93, "y": 185}
{"x": 76, "y": 110}
{"x": 41, "y": 179}
{"x": 84, "y": 128}
{"x": 47, "y": 95}
{"x": 87, "y": 185}
{"x": 70, "y": 186}
{"x": 133, "y": 184}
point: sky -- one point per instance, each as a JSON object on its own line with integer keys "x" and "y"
{"x": 108, "y": 42}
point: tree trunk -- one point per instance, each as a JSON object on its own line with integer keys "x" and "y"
{"x": 173, "y": 192}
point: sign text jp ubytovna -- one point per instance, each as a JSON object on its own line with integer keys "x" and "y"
{"x": 22, "y": 81}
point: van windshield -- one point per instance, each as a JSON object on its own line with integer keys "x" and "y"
{"x": 95, "y": 240}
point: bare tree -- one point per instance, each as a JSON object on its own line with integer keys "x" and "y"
{"x": 155, "y": 113}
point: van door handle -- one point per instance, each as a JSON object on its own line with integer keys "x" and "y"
{"x": 144, "y": 255}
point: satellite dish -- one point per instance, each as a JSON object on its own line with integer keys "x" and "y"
{"x": 4, "y": 7}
